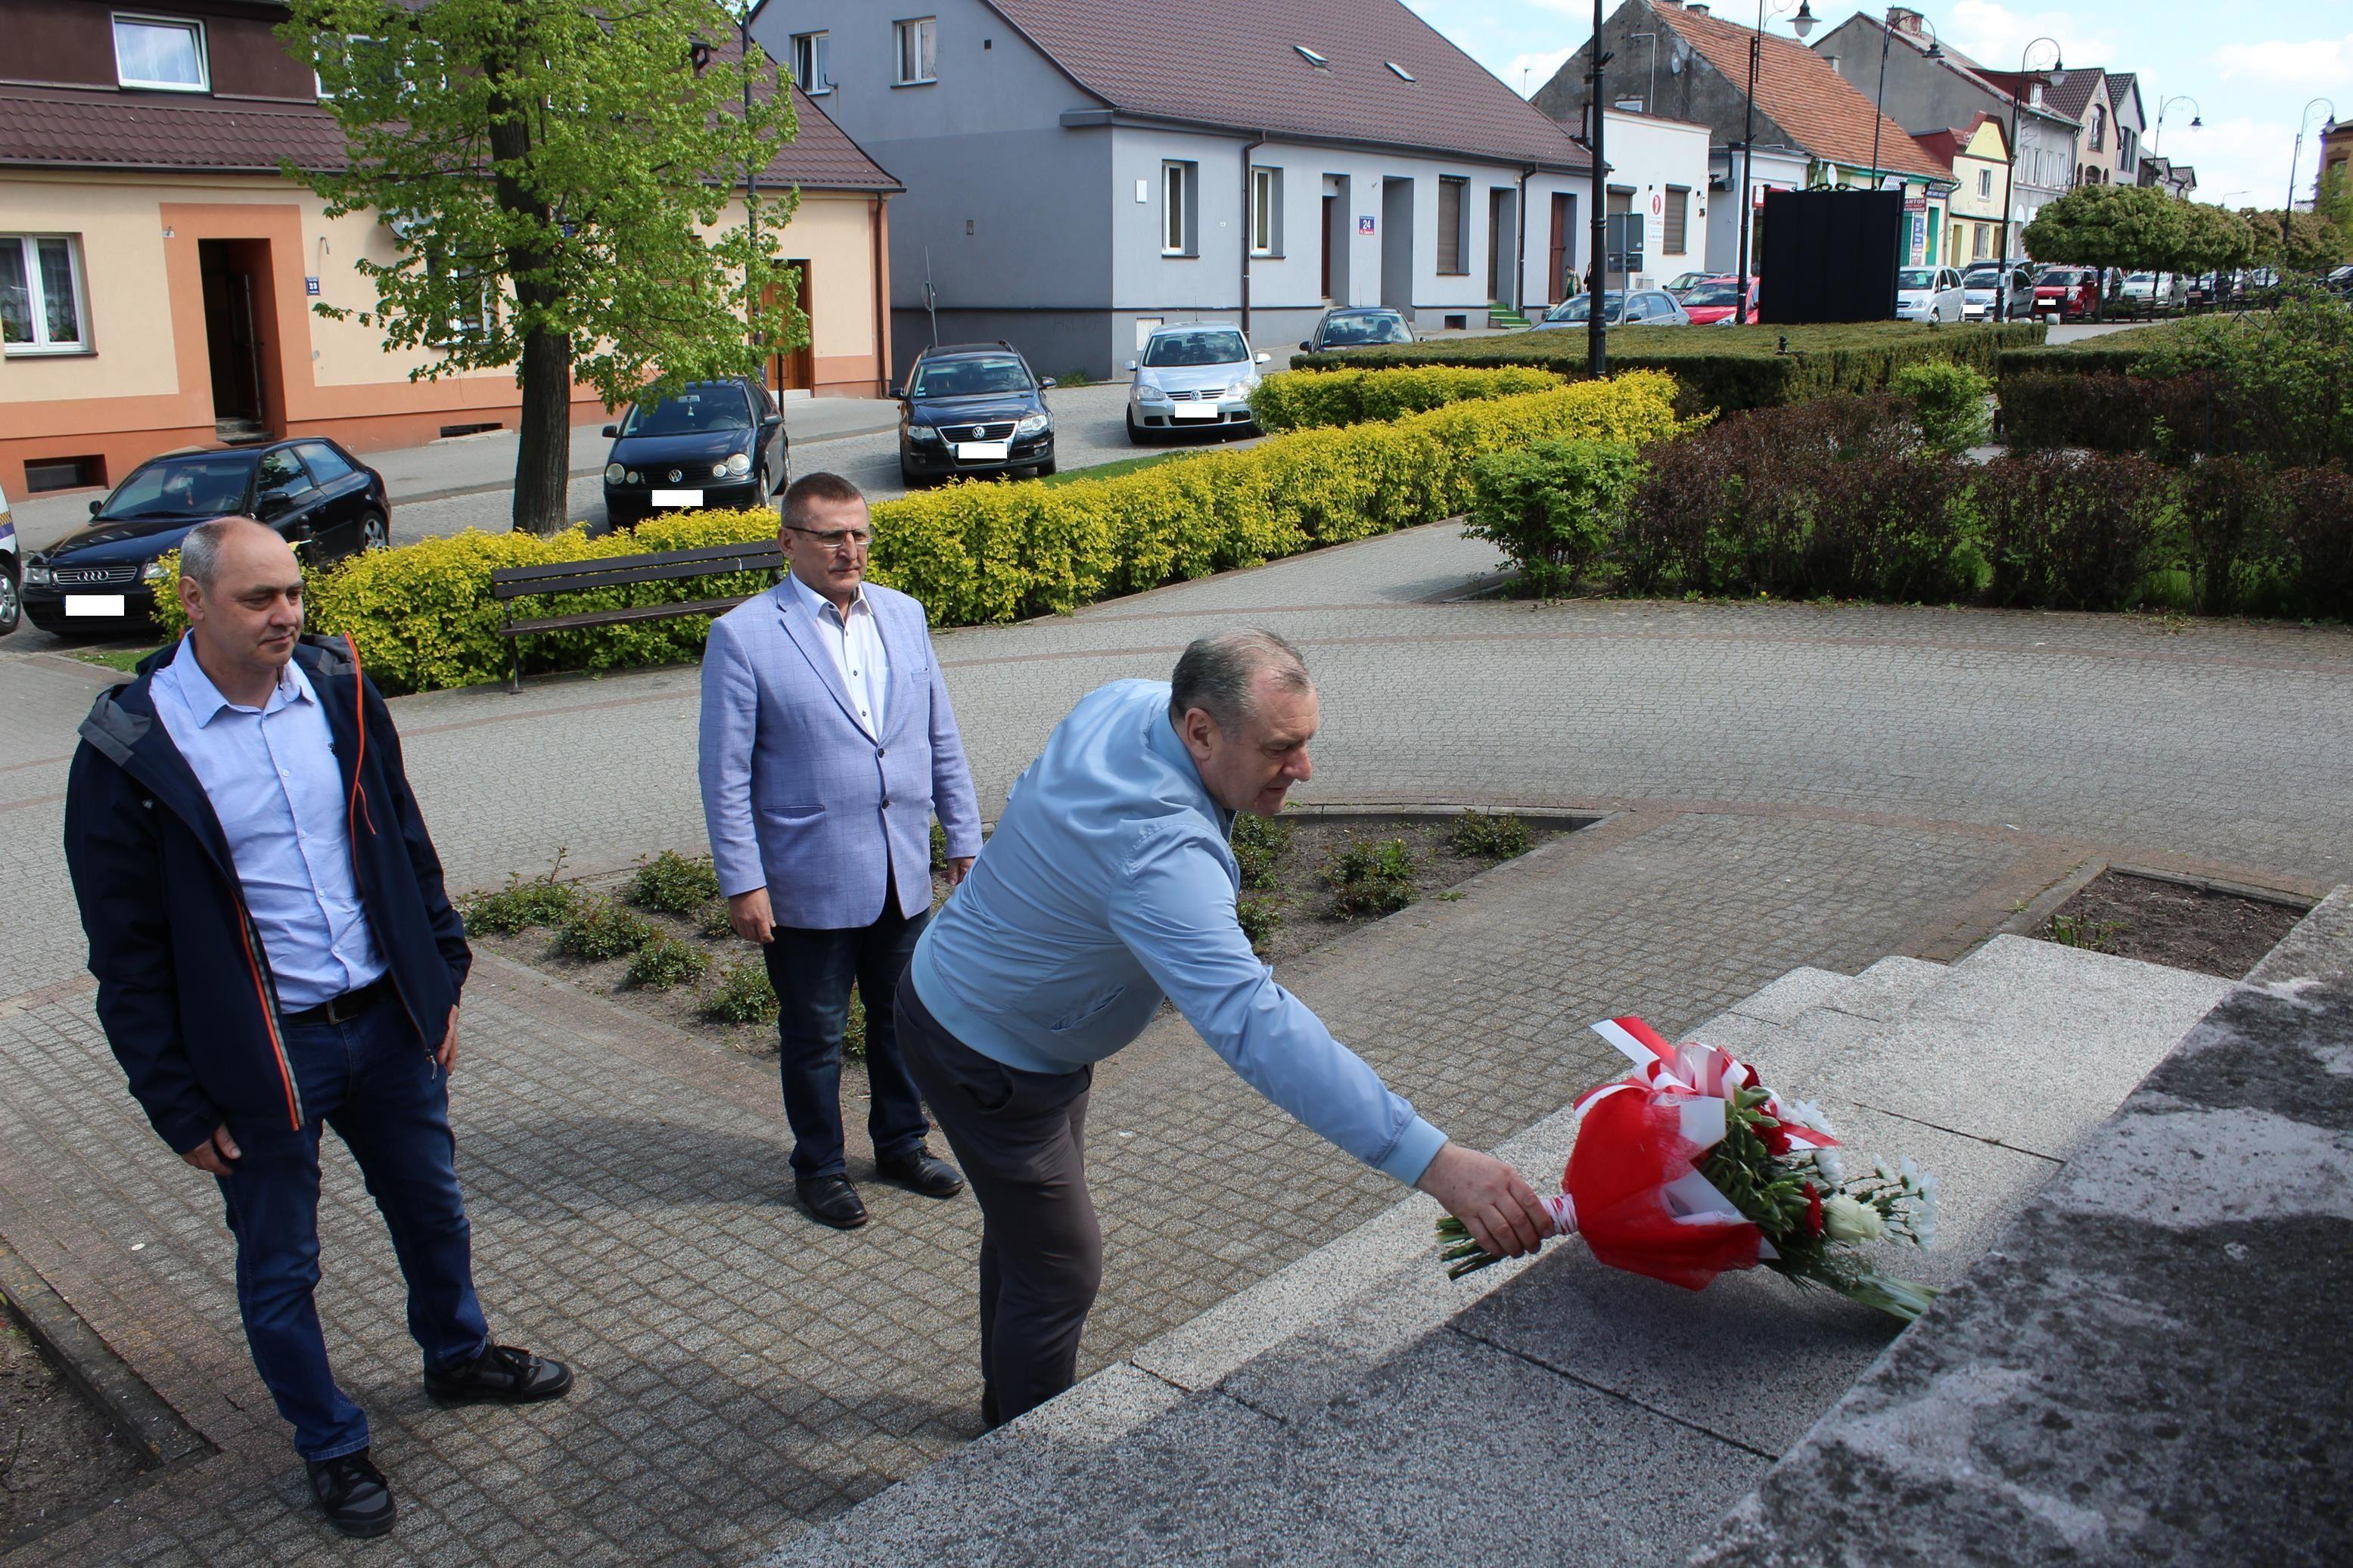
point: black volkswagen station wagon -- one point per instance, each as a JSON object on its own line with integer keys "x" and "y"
{"x": 711, "y": 444}
{"x": 101, "y": 578}
{"x": 973, "y": 408}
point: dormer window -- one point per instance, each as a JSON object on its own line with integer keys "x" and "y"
{"x": 1320, "y": 62}
{"x": 1402, "y": 74}
{"x": 162, "y": 53}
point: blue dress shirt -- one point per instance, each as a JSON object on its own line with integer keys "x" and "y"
{"x": 1108, "y": 884}
{"x": 274, "y": 783}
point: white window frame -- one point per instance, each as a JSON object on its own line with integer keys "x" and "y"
{"x": 37, "y": 302}
{"x": 195, "y": 25}
{"x": 1985, "y": 182}
{"x": 1176, "y": 207}
{"x": 318, "y": 82}
{"x": 818, "y": 47}
{"x": 1266, "y": 211}
{"x": 920, "y": 30}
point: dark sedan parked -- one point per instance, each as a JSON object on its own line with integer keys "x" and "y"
{"x": 102, "y": 578}
{"x": 712, "y": 444}
{"x": 973, "y": 408}
{"x": 1355, "y": 328}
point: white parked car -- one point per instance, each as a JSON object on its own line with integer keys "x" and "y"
{"x": 1198, "y": 377}
{"x": 1929, "y": 294}
{"x": 2158, "y": 288}
{"x": 12, "y": 571}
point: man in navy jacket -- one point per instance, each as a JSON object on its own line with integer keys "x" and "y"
{"x": 275, "y": 953}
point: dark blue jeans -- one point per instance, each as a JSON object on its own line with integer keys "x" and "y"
{"x": 371, "y": 1081}
{"x": 812, "y": 972}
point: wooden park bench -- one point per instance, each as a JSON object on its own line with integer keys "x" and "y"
{"x": 508, "y": 583}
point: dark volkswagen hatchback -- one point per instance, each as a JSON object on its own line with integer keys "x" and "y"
{"x": 711, "y": 444}
{"x": 102, "y": 578}
{"x": 973, "y": 408}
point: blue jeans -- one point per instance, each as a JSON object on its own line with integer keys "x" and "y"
{"x": 372, "y": 1080}
{"x": 812, "y": 972}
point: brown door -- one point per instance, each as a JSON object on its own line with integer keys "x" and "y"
{"x": 1499, "y": 220}
{"x": 795, "y": 370}
{"x": 1564, "y": 224}
{"x": 1330, "y": 204}
{"x": 237, "y": 282}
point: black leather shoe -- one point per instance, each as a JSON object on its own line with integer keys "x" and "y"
{"x": 831, "y": 1200}
{"x": 501, "y": 1374}
{"x": 354, "y": 1494}
{"x": 923, "y": 1172}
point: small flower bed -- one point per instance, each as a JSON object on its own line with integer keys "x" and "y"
{"x": 598, "y": 927}
{"x": 674, "y": 884}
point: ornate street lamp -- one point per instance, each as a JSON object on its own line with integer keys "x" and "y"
{"x": 2157, "y": 142}
{"x": 2288, "y": 213}
{"x": 2001, "y": 294}
{"x": 1801, "y": 24}
{"x": 1935, "y": 51}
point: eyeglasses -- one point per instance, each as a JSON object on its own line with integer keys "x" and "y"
{"x": 839, "y": 538}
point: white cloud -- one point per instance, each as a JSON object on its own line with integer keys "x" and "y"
{"x": 1994, "y": 36}
{"x": 2243, "y": 161}
{"x": 2319, "y": 63}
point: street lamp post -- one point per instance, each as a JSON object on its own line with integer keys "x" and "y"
{"x": 2157, "y": 142}
{"x": 2288, "y": 213}
{"x": 1597, "y": 331}
{"x": 1935, "y": 51}
{"x": 1803, "y": 23}
{"x": 2009, "y": 170}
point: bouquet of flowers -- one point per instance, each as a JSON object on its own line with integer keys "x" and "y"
{"x": 1688, "y": 1166}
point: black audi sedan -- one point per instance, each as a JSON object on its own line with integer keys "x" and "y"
{"x": 1357, "y": 327}
{"x": 715, "y": 443}
{"x": 101, "y": 578}
{"x": 973, "y": 408}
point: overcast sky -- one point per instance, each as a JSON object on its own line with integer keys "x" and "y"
{"x": 2250, "y": 68}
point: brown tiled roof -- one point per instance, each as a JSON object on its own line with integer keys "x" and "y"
{"x": 2060, "y": 100}
{"x": 1805, "y": 95}
{"x": 1234, "y": 65}
{"x": 102, "y": 128}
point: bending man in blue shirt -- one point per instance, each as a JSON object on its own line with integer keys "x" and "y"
{"x": 1109, "y": 884}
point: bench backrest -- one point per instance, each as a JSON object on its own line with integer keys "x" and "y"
{"x": 620, "y": 571}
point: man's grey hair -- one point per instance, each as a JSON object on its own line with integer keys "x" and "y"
{"x": 819, "y": 486}
{"x": 1218, "y": 674}
{"x": 200, "y": 549}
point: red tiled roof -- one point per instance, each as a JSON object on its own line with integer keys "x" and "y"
{"x": 1805, "y": 95}
{"x": 1948, "y": 145}
{"x": 1236, "y": 66}
{"x": 81, "y": 128}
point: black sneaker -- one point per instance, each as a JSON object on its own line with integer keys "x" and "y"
{"x": 501, "y": 1374}
{"x": 355, "y": 1495}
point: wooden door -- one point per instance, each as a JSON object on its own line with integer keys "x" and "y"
{"x": 1564, "y": 224}
{"x": 1331, "y": 207}
{"x": 795, "y": 370}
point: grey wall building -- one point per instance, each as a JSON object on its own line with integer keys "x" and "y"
{"x": 1079, "y": 171}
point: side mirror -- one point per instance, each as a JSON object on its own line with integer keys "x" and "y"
{"x": 1131, "y": 365}
{"x": 270, "y": 504}
{"x": 899, "y": 393}
{"x": 1266, "y": 359}
{"x": 96, "y": 504}
{"x": 1045, "y": 382}
{"x": 1305, "y": 345}
{"x": 611, "y": 431}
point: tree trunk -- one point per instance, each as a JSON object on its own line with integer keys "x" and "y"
{"x": 544, "y": 452}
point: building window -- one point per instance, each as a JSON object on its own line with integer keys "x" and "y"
{"x": 41, "y": 294}
{"x": 1452, "y": 214}
{"x": 1266, "y": 212}
{"x": 161, "y": 52}
{"x": 2126, "y": 157}
{"x": 2099, "y": 128}
{"x": 1178, "y": 186}
{"x": 813, "y": 62}
{"x": 1985, "y": 182}
{"x": 918, "y": 47}
{"x": 1678, "y": 215}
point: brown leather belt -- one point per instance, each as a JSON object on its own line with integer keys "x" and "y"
{"x": 343, "y": 1009}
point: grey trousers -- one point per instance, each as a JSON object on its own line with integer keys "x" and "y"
{"x": 1021, "y": 1139}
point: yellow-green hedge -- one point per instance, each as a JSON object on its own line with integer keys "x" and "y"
{"x": 423, "y": 618}
{"x": 1301, "y": 400}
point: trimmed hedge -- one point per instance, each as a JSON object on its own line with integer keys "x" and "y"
{"x": 972, "y": 553}
{"x": 1724, "y": 369}
{"x": 1300, "y": 400}
{"x": 2112, "y": 412}
{"x": 2111, "y": 353}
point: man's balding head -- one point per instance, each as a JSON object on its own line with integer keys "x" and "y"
{"x": 242, "y": 590}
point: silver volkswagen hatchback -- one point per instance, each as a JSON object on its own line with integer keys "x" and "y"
{"x": 1198, "y": 377}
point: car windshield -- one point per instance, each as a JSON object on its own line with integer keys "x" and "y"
{"x": 2058, "y": 275}
{"x": 1723, "y": 291}
{"x": 209, "y": 486}
{"x": 1982, "y": 276}
{"x": 1916, "y": 278}
{"x": 2141, "y": 278}
{"x": 696, "y": 409}
{"x": 1341, "y": 331}
{"x": 1578, "y": 308}
{"x": 988, "y": 377}
{"x": 1172, "y": 351}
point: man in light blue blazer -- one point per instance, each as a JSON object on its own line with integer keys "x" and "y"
{"x": 828, "y": 746}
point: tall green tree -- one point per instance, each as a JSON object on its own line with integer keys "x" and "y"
{"x": 2133, "y": 227}
{"x": 2333, "y": 200}
{"x": 557, "y": 177}
{"x": 2211, "y": 239}
{"x": 2308, "y": 242}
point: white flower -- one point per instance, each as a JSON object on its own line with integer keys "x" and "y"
{"x": 1805, "y": 1113}
{"x": 1827, "y": 1162}
{"x": 1845, "y": 1219}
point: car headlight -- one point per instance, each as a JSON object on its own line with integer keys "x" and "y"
{"x": 1239, "y": 389}
{"x": 37, "y": 573}
{"x": 923, "y": 434}
{"x": 1036, "y": 424}
{"x": 1148, "y": 392}
{"x": 634, "y": 477}
{"x": 739, "y": 464}
{"x": 614, "y": 473}
{"x": 151, "y": 572}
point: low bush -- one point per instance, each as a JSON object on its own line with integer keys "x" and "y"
{"x": 743, "y": 995}
{"x": 598, "y": 927}
{"x": 2312, "y": 527}
{"x": 1554, "y": 508}
{"x": 1259, "y": 843}
{"x": 1261, "y": 918}
{"x": 517, "y": 906}
{"x": 1370, "y": 879}
{"x": 2070, "y": 532}
{"x": 714, "y": 923}
{"x": 674, "y": 884}
{"x": 1300, "y": 400}
{"x": 666, "y": 961}
{"x": 1950, "y": 401}
{"x": 2045, "y": 411}
{"x": 1476, "y": 836}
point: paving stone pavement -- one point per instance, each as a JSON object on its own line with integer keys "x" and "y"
{"x": 1786, "y": 786}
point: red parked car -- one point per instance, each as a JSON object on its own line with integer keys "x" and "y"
{"x": 1711, "y": 300}
{"x": 2071, "y": 293}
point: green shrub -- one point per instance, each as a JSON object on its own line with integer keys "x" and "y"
{"x": 1300, "y": 400}
{"x": 666, "y": 961}
{"x": 1261, "y": 918}
{"x": 1074, "y": 378}
{"x": 1554, "y": 508}
{"x": 1950, "y": 400}
{"x": 1259, "y": 843}
{"x": 2073, "y": 533}
{"x": 674, "y": 884}
{"x": 517, "y": 907}
{"x": 598, "y": 927}
{"x": 1370, "y": 880}
{"x": 743, "y": 995}
{"x": 2312, "y": 527}
{"x": 712, "y": 922}
{"x": 1476, "y": 836}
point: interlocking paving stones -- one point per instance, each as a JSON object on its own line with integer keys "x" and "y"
{"x": 1794, "y": 786}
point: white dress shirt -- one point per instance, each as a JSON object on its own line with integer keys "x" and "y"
{"x": 856, "y": 644}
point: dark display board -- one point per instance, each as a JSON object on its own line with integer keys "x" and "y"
{"x": 1827, "y": 256}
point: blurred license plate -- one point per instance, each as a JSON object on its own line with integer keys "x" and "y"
{"x": 678, "y": 497}
{"x": 982, "y": 451}
{"x": 108, "y": 604}
{"x": 1197, "y": 411}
